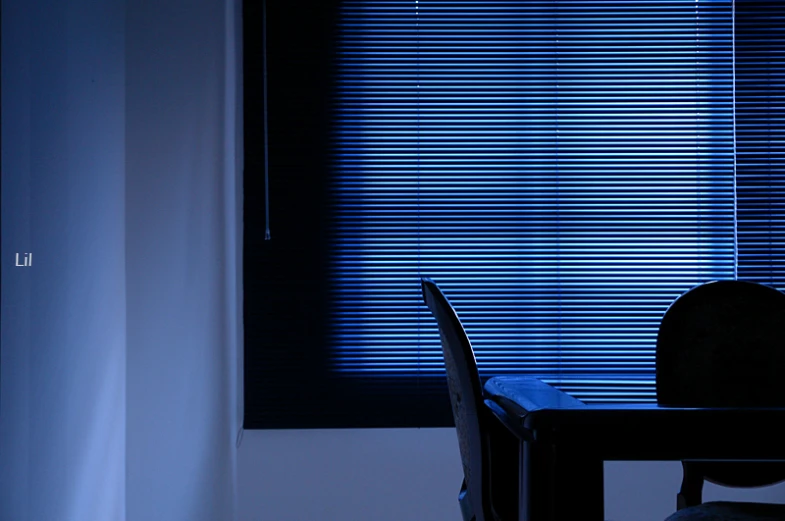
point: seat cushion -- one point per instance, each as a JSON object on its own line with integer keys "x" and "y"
{"x": 731, "y": 511}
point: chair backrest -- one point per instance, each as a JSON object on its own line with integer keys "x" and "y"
{"x": 722, "y": 344}
{"x": 466, "y": 397}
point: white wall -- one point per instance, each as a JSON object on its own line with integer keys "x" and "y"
{"x": 181, "y": 263}
{"x": 352, "y": 475}
{"x": 119, "y": 345}
{"x": 62, "y": 414}
{"x": 394, "y": 474}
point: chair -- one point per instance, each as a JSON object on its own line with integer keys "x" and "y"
{"x": 478, "y": 499}
{"x": 722, "y": 344}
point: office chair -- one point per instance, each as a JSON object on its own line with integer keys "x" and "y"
{"x": 722, "y": 344}
{"x": 479, "y": 498}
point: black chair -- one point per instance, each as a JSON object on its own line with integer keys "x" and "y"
{"x": 481, "y": 497}
{"x": 722, "y": 344}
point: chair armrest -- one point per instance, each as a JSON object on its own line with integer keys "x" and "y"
{"x": 512, "y": 423}
{"x": 521, "y": 396}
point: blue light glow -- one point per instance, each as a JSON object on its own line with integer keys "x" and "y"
{"x": 561, "y": 190}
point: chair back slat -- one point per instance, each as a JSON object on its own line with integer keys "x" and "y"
{"x": 466, "y": 397}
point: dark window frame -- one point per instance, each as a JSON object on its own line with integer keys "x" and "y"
{"x": 288, "y": 383}
{"x": 286, "y": 279}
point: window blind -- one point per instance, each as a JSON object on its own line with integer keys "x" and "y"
{"x": 562, "y": 169}
{"x": 760, "y": 140}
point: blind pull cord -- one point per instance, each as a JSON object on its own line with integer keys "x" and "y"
{"x": 266, "y": 150}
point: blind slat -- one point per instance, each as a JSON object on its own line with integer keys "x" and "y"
{"x": 760, "y": 140}
{"x": 563, "y": 170}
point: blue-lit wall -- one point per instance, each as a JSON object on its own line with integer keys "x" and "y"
{"x": 62, "y": 415}
{"x": 182, "y": 219}
{"x": 120, "y": 353}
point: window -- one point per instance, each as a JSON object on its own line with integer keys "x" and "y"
{"x": 563, "y": 169}
{"x": 760, "y": 140}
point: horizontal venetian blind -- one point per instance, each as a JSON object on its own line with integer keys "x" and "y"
{"x": 562, "y": 169}
{"x": 760, "y": 140}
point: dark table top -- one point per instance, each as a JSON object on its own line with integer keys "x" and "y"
{"x": 536, "y": 411}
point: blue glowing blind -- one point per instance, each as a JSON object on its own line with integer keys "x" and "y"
{"x": 760, "y": 140}
{"x": 562, "y": 169}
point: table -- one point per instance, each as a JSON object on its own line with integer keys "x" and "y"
{"x": 563, "y": 442}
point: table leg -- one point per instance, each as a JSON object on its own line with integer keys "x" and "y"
{"x": 536, "y": 481}
{"x": 504, "y": 471}
{"x": 559, "y": 483}
{"x": 579, "y": 485}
